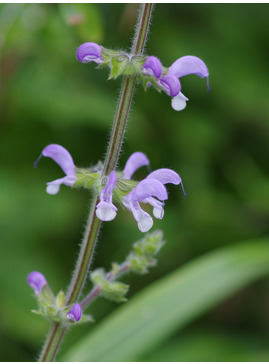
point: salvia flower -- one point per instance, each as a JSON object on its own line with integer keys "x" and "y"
{"x": 105, "y": 210}
{"x": 151, "y": 190}
{"x": 117, "y": 186}
{"x": 75, "y": 313}
{"x": 185, "y": 66}
{"x": 36, "y": 280}
{"x": 63, "y": 158}
{"x": 147, "y": 191}
{"x": 169, "y": 82}
{"x": 90, "y": 52}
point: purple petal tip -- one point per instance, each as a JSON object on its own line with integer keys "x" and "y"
{"x": 75, "y": 313}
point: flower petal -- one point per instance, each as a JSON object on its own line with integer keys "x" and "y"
{"x": 158, "y": 206}
{"x": 189, "y": 65}
{"x": 147, "y": 188}
{"x": 179, "y": 102}
{"x": 54, "y": 186}
{"x": 90, "y": 52}
{"x": 144, "y": 220}
{"x": 165, "y": 175}
{"x": 105, "y": 210}
{"x": 152, "y": 67}
{"x": 36, "y": 280}
{"x": 170, "y": 84}
{"x": 135, "y": 161}
{"x": 75, "y": 313}
{"x": 61, "y": 156}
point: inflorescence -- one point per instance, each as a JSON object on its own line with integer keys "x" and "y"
{"x": 149, "y": 69}
{"x": 118, "y": 186}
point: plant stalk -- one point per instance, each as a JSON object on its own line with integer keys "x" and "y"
{"x": 97, "y": 289}
{"x": 57, "y": 331}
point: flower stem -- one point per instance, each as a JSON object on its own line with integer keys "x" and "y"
{"x": 97, "y": 289}
{"x": 127, "y": 90}
{"x": 57, "y": 331}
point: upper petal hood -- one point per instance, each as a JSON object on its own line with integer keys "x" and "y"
{"x": 165, "y": 175}
{"x": 61, "y": 156}
{"x": 135, "y": 161}
{"x": 187, "y": 65}
{"x": 147, "y": 188}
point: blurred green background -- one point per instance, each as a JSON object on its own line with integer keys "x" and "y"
{"x": 218, "y": 144}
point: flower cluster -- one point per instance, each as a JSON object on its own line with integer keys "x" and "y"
{"x": 118, "y": 186}
{"x": 52, "y": 307}
{"x": 149, "y": 69}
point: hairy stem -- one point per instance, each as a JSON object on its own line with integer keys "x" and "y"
{"x": 57, "y": 331}
{"x": 127, "y": 90}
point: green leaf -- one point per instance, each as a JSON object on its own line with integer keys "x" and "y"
{"x": 171, "y": 303}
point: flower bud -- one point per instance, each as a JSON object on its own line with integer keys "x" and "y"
{"x": 36, "y": 280}
{"x": 75, "y": 313}
{"x": 90, "y": 52}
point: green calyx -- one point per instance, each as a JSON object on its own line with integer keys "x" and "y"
{"x": 55, "y": 308}
{"x": 121, "y": 63}
{"x": 109, "y": 288}
{"x": 143, "y": 253}
{"x": 92, "y": 179}
{"x": 87, "y": 178}
{"x": 141, "y": 257}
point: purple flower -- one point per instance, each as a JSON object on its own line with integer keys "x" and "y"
{"x": 170, "y": 82}
{"x": 63, "y": 158}
{"x": 105, "y": 210}
{"x": 185, "y": 66}
{"x": 152, "y": 67}
{"x": 147, "y": 188}
{"x": 90, "y": 52}
{"x": 75, "y": 313}
{"x": 147, "y": 191}
{"x": 36, "y": 280}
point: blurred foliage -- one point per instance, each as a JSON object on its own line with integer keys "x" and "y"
{"x": 218, "y": 144}
{"x": 171, "y": 303}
